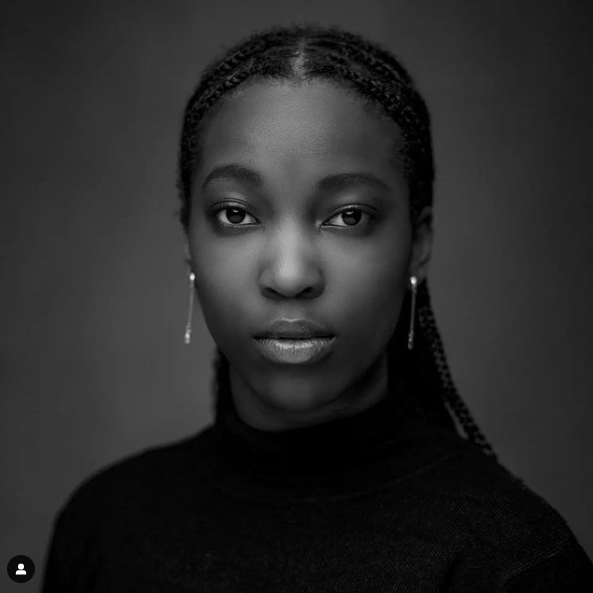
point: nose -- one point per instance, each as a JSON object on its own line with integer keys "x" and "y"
{"x": 291, "y": 268}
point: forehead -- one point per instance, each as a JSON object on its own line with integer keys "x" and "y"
{"x": 298, "y": 128}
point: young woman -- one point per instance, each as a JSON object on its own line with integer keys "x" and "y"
{"x": 337, "y": 460}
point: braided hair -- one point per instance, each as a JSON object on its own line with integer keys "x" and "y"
{"x": 302, "y": 53}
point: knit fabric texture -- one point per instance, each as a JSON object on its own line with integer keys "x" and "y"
{"x": 381, "y": 501}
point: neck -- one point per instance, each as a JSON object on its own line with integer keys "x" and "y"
{"x": 351, "y": 439}
{"x": 265, "y": 411}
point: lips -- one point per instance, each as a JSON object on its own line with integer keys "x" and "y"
{"x": 295, "y": 329}
{"x": 294, "y": 351}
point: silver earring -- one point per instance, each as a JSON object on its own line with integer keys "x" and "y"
{"x": 414, "y": 285}
{"x": 190, "y": 312}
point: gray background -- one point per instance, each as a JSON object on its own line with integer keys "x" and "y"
{"x": 93, "y": 288}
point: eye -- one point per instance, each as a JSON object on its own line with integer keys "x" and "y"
{"x": 351, "y": 216}
{"x": 234, "y": 214}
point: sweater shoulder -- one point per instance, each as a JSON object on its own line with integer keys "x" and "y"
{"x": 133, "y": 487}
{"x": 495, "y": 511}
{"x": 148, "y": 472}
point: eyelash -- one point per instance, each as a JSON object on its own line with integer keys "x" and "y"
{"x": 229, "y": 205}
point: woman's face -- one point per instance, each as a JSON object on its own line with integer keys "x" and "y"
{"x": 273, "y": 235}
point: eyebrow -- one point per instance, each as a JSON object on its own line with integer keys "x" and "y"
{"x": 234, "y": 172}
{"x": 336, "y": 182}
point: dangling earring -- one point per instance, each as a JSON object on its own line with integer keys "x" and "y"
{"x": 190, "y": 312}
{"x": 414, "y": 285}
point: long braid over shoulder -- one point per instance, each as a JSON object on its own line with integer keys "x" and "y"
{"x": 300, "y": 54}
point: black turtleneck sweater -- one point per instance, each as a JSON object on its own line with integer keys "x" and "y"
{"x": 382, "y": 501}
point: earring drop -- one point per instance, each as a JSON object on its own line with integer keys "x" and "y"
{"x": 414, "y": 285}
{"x": 190, "y": 312}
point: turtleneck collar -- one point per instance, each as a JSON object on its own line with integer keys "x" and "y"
{"x": 384, "y": 443}
{"x": 336, "y": 443}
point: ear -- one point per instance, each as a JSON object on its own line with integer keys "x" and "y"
{"x": 422, "y": 237}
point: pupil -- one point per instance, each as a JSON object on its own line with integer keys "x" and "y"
{"x": 235, "y": 212}
{"x": 351, "y": 214}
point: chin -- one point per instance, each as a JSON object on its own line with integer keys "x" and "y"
{"x": 294, "y": 395}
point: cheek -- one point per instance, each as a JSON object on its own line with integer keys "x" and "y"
{"x": 373, "y": 293}
{"x": 223, "y": 275}
{"x": 371, "y": 282}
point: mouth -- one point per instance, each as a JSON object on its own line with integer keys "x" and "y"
{"x": 295, "y": 329}
{"x": 290, "y": 350}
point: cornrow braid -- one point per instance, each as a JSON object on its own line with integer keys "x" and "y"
{"x": 304, "y": 53}
{"x": 372, "y": 54}
{"x": 433, "y": 354}
{"x": 417, "y": 365}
